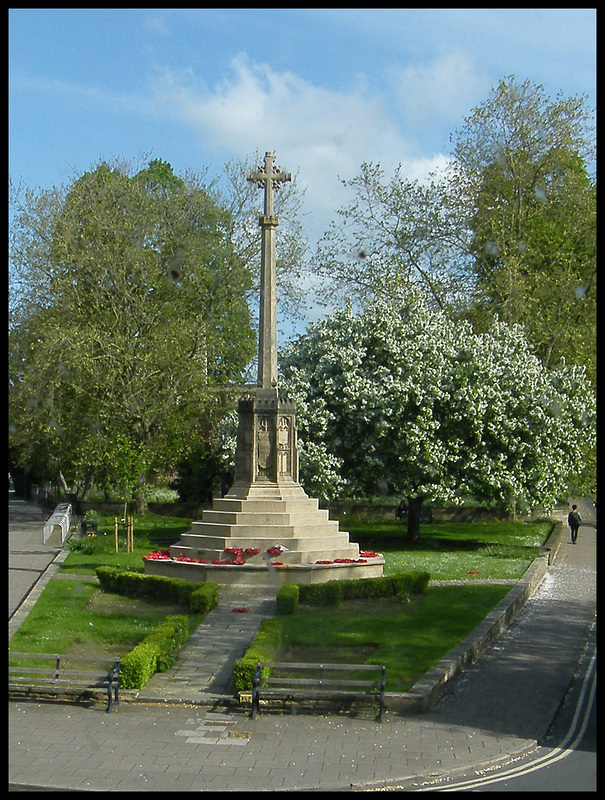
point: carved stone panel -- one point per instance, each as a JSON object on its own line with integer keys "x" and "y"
{"x": 264, "y": 444}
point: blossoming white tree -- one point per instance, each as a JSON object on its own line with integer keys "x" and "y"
{"x": 405, "y": 399}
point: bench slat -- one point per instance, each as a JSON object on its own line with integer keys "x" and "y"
{"x": 106, "y": 677}
{"x": 60, "y": 681}
{"x": 315, "y": 682}
{"x": 318, "y": 686}
{"x": 339, "y": 667}
{"x": 54, "y": 657}
{"x": 293, "y": 692}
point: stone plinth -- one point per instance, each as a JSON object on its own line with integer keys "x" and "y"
{"x": 266, "y": 535}
{"x": 254, "y": 578}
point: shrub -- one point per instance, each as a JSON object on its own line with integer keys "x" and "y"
{"x": 311, "y": 594}
{"x": 87, "y": 545}
{"x": 167, "y": 638}
{"x": 266, "y": 645}
{"x": 419, "y": 581}
{"x": 287, "y": 599}
{"x": 156, "y": 653}
{"x": 268, "y": 641}
{"x": 204, "y": 599}
{"x": 173, "y": 590}
{"x": 138, "y": 666}
{"x": 332, "y": 592}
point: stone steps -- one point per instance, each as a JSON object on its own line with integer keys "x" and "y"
{"x": 240, "y": 540}
{"x": 262, "y": 515}
{"x": 263, "y": 530}
{"x": 306, "y": 556}
{"x": 250, "y": 517}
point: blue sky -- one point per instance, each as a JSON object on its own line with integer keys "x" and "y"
{"x": 326, "y": 89}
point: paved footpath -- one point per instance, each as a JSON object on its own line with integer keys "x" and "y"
{"x": 495, "y": 711}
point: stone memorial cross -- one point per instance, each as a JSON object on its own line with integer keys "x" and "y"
{"x": 269, "y": 178}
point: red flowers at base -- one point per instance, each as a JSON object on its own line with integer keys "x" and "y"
{"x": 158, "y": 555}
{"x": 189, "y": 560}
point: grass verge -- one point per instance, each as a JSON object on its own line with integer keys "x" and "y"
{"x": 74, "y": 617}
{"x": 455, "y": 551}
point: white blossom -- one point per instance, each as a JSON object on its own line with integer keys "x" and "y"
{"x": 404, "y": 395}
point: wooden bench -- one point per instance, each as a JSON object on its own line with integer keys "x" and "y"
{"x": 319, "y": 686}
{"x": 57, "y": 676}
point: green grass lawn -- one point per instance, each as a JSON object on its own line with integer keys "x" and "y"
{"x": 408, "y": 638}
{"x": 74, "y": 617}
{"x": 455, "y": 551}
{"x": 151, "y": 532}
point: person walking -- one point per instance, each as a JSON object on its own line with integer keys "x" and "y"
{"x": 574, "y": 520}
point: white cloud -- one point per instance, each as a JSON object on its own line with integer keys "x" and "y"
{"x": 443, "y": 89}
{"x": 322, "y": 134}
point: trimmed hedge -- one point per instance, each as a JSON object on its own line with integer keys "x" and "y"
{"x": 267, "y": 643}
{"x": 287, "y": 598}
{"x": 201, "y": 598}
{"x": 334, "y": 592}
{"x": 265, "y": 647}
{"x": 156, "y": 653}
{"x": 204, "y": 599}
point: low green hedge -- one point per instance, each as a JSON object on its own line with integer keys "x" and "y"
{"x": 156, "y": 653}
{"x": 201, "y": 598}
{"x": 287, "y": 598}
{"x": 265, "y": 647}
{"x": 204, "y": 599}
{"x": 334, "y": 592}
{"x": 268, "y": 641}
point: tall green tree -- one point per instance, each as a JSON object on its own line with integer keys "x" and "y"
{"x": 523, "y": 162}
{"x": 398, "y": 235}
{"x": 128, "y": 310}
{"x": 403, "y": 400}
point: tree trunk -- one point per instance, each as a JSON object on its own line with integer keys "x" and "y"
{"x": 414, "y": 506}
{"x": 140, "y": 499}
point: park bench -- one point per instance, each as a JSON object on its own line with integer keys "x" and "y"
{"x": 57, "y": 676}
{"x": 319, "y": 681}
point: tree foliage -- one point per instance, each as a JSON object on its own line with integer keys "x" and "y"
{"x": 408, "y": 402}
{"x": 507, "y": 229}
{"x": 128, "y": 307}
{"x": 523, "y": 162}
{"x": 397, "y": 235}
